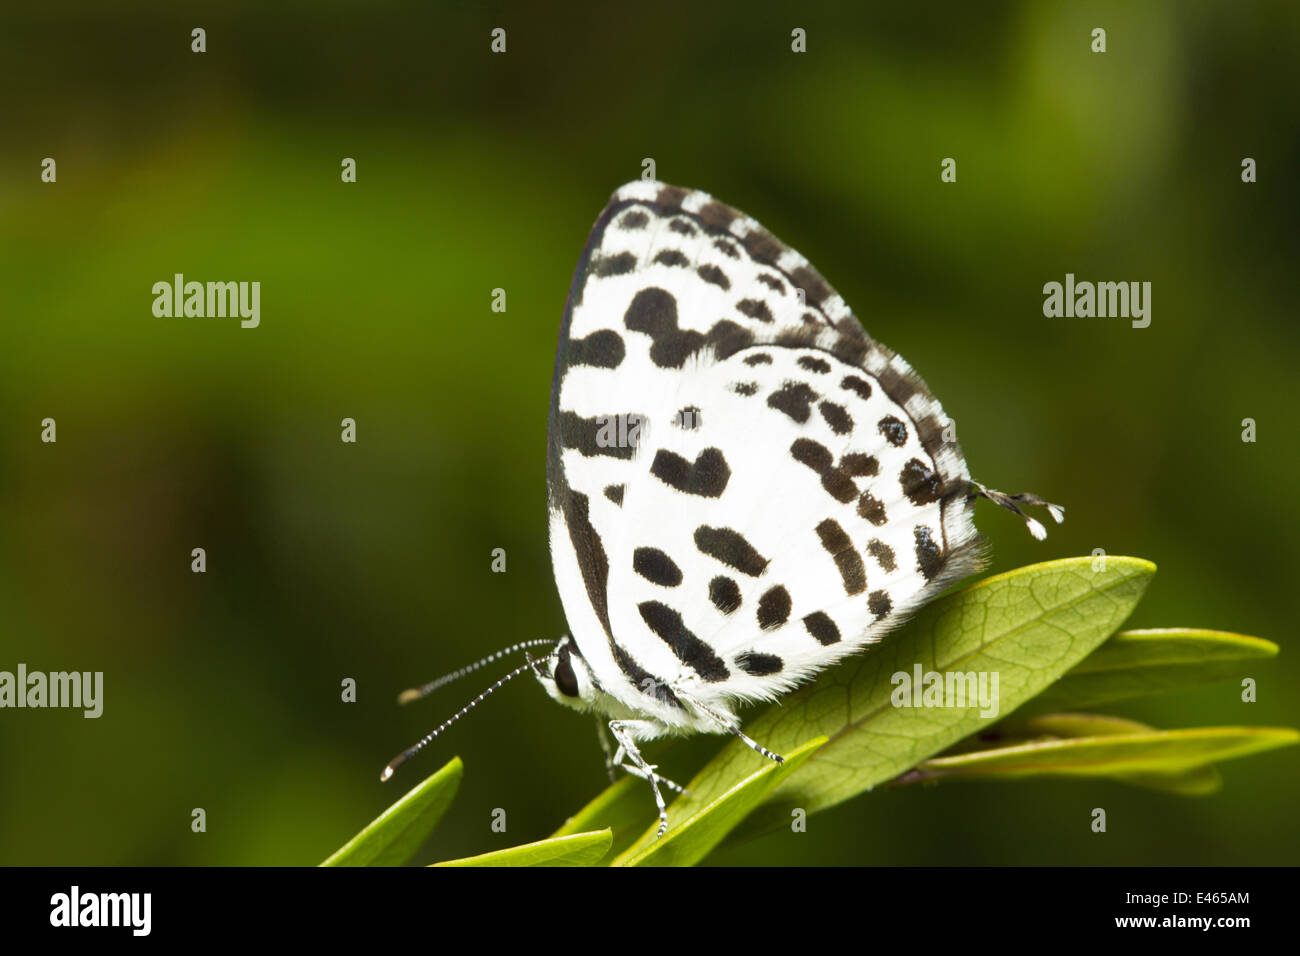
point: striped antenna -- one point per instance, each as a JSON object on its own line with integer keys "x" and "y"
{"x": 411, "y": 751}
{"x": 415, "y": 693}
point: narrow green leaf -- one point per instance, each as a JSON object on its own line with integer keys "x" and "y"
{"x": 394, "y": 836}
{"x": 688, "y": 842}
{"x": 1132, "y": 757}
{"x": 1194, "y": 781}
{"x": 1023, "y": 729}
{"x": 579, "y": 849}
{"x": 1029, "y": 626}
{"x": 623, "y": 807}
{"x": 1157, "y": 661}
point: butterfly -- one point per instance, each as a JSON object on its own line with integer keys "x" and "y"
{"x": 743, "y": 487}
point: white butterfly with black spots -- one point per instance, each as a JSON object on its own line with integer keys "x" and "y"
{"x": 744, "y": 488}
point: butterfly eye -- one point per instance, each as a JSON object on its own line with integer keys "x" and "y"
{"x": 565, "y": 680}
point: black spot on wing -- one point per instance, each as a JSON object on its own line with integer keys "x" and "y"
{"x": 707, "y": 476}
{"x": 667, "y": 624}
{"x": 859, "y": 465}
{"x": 858, "y": 386}
{"x": 682, "y": 227}
{"x": 851, "y": 350}
{"x": 816, "y": 291}
{"x": 878, "y": 604}
{"x": 929, "y": 559}
{"x": 728, "y": 338}
{"x": 837, "y": 543}
{"x": 712, "y": 274}
{"x": 814, "y": 364}
{"x": 895, "y": 432}
{"x": 755, "y": 309}
{"x": 654, "y": 312}
{"x": 717, "y": 215}
{"x": 656, "y": 567}
{"x": 839, "y": 486}
{"x": 871, "y": 508}
{"x": 758, "y": 358}
{"x": 933, "y": 434}
{"x": 772, "y": 282}
{"x": 820, "y": 626}
{"x": 616, "y": 265}
{"x": 818, "y": 457}
{"x": 794, "y": 399}
{"x": 774, "y": 608}
{"x": 671, "y": 197}
{"x": 671, "y": 257}
{"x": 731, "y": 548}
{"x": 589, "y": 551}
{"x": 615, "y": 494}
{"x": 744, "y": 388}
{"x": 835, "y": 415}
{"x": 726, "y": 248}
{"x": 636, "y": 219}
{"x": 883, "y": 554}
{"x": 590, "y": 435}
{"x": 725, "y": 594}
{"x": 759, "y": 665}
{"x": 919, "y": 483}
{"x": 764, "y": 246}
{"x": 812, "y": 453}
{"x": 898, "y": 386}
{"x": 603, "y": 349}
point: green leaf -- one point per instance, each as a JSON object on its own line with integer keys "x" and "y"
{"x": 1029, "y": 626}
{"x": 1021, "y": 729}
{"x": 579, "y": 849}
{"x": 623, "y": 807}
{"x": 1169, "y": 759}
{"x": 689, "y": 841}
{"x": 1138, "y": 663}
{"x": 392, "y": 838}
{"x": 1196, "y": 781}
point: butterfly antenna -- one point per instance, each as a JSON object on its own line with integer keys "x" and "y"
{"x": 1013, "y": 502}
{"x": 411, "y": 751}
{"x": 415, "y": 693}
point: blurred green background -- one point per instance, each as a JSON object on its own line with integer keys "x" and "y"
{"x": 478, "y": 171}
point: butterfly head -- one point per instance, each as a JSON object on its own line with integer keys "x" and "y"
{"x": 567, "y": 677}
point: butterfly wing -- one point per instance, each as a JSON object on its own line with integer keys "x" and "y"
{"x": 744, "y": 487}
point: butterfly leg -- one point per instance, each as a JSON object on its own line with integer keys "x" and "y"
{"x": 617, "y": 760}
{"x": 624, "y": 732}
{"x": 638, "y": 772}
{"x": 730, "y": 725}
